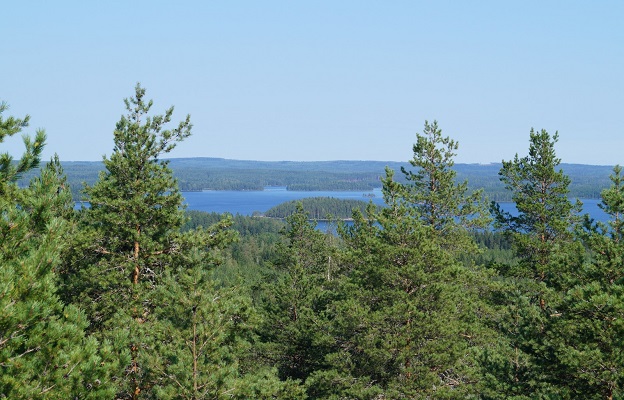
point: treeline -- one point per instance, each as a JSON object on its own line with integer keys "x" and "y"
{"x": 203, "y": 178}
{"x": 319, "y": 208}
{"x": 133, "y": 298}
{"x": 323, "y": 185}
{"x": 195, "y": 174}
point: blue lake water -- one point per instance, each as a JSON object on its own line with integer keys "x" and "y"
{"x": 246, "y": 203}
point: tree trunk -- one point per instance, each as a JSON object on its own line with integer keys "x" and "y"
{"x": 135, "y": 275}
{"x": 135, "y": 281}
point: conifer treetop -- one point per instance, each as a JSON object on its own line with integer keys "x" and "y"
{"x": 10, "y": 172}
{"x": 138, "y": 134}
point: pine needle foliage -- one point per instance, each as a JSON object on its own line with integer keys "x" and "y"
{"x": 129, "y": 236}
{"x": 542, "y": 237}
{"x": 442, "y": 202}
{"x": 589, "y": 334}
{"x": 43, "y": 349}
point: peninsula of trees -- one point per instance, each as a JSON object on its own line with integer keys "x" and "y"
{"x": 134, "y": 298}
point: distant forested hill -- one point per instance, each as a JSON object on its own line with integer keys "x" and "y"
{"x": 223, "y": 174}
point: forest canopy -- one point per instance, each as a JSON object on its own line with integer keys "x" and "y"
{"x": 136, "y": 298}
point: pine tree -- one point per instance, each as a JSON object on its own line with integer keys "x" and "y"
{"x": 542, "y": 236}
{"x": 207, "y": 330}
{"x": 149, "y": 288}
{"x": 128, "y": 237}
{"x": 406, "y": 328}
{"x": 590, "y": 330}
{"x": 441, "y": 201}
{"x": 43, "y": 349}
{"x": 293, "y": 299}
{"x": 546, "y": 217}
{"x": 408, "y": 321}
{"x": 9, "y": 126}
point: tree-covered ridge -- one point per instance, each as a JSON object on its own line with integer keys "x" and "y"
{"x": 136, "y": 298}
{"x": 192, "y": 174}
{"x": 319, "y": 208}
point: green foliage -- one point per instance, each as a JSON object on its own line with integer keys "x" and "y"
{"x": 546, "y": 216}
{"x": 495, "y": 251}
{"x": 134, "y": 214}
{"x": 149, "y": 286}
{"x": 294, "y": 297}
{"x": 318, "y": 208}
{"x": 43, "y": 348}
{"x": 205, "y": 330}
{"x": 129, "y": 235}
{"x": 407, "y": 323}
{"x": 542, "y": 236}
{"x": 133, "y": 297}
{"x": 9, "y": 171}
{"x": 589, "y": 334}
{"x": 245, "y": 260}
{"x": 613, "y": 204}
{"x": 439, "y": 200}
{"x": 244, "y": 225}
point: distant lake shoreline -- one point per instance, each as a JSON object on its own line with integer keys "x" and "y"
{"x": 250, "y": 202}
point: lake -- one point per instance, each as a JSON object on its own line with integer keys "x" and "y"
{"x": 246, "y": 203}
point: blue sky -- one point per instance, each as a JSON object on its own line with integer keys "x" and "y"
{"x": 322, "y": 80}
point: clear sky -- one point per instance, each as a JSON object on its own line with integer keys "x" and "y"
{"x": 322, "y": 80}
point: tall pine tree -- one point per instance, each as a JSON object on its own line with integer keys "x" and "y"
{"x": 148, "y": 287}
{"x": 546, "y": 217}
{"x": 408, "y": 322}
{"x": 542, "y": 236}
{"x": 129, "y": 236}
{"x": 443, "y": 203}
